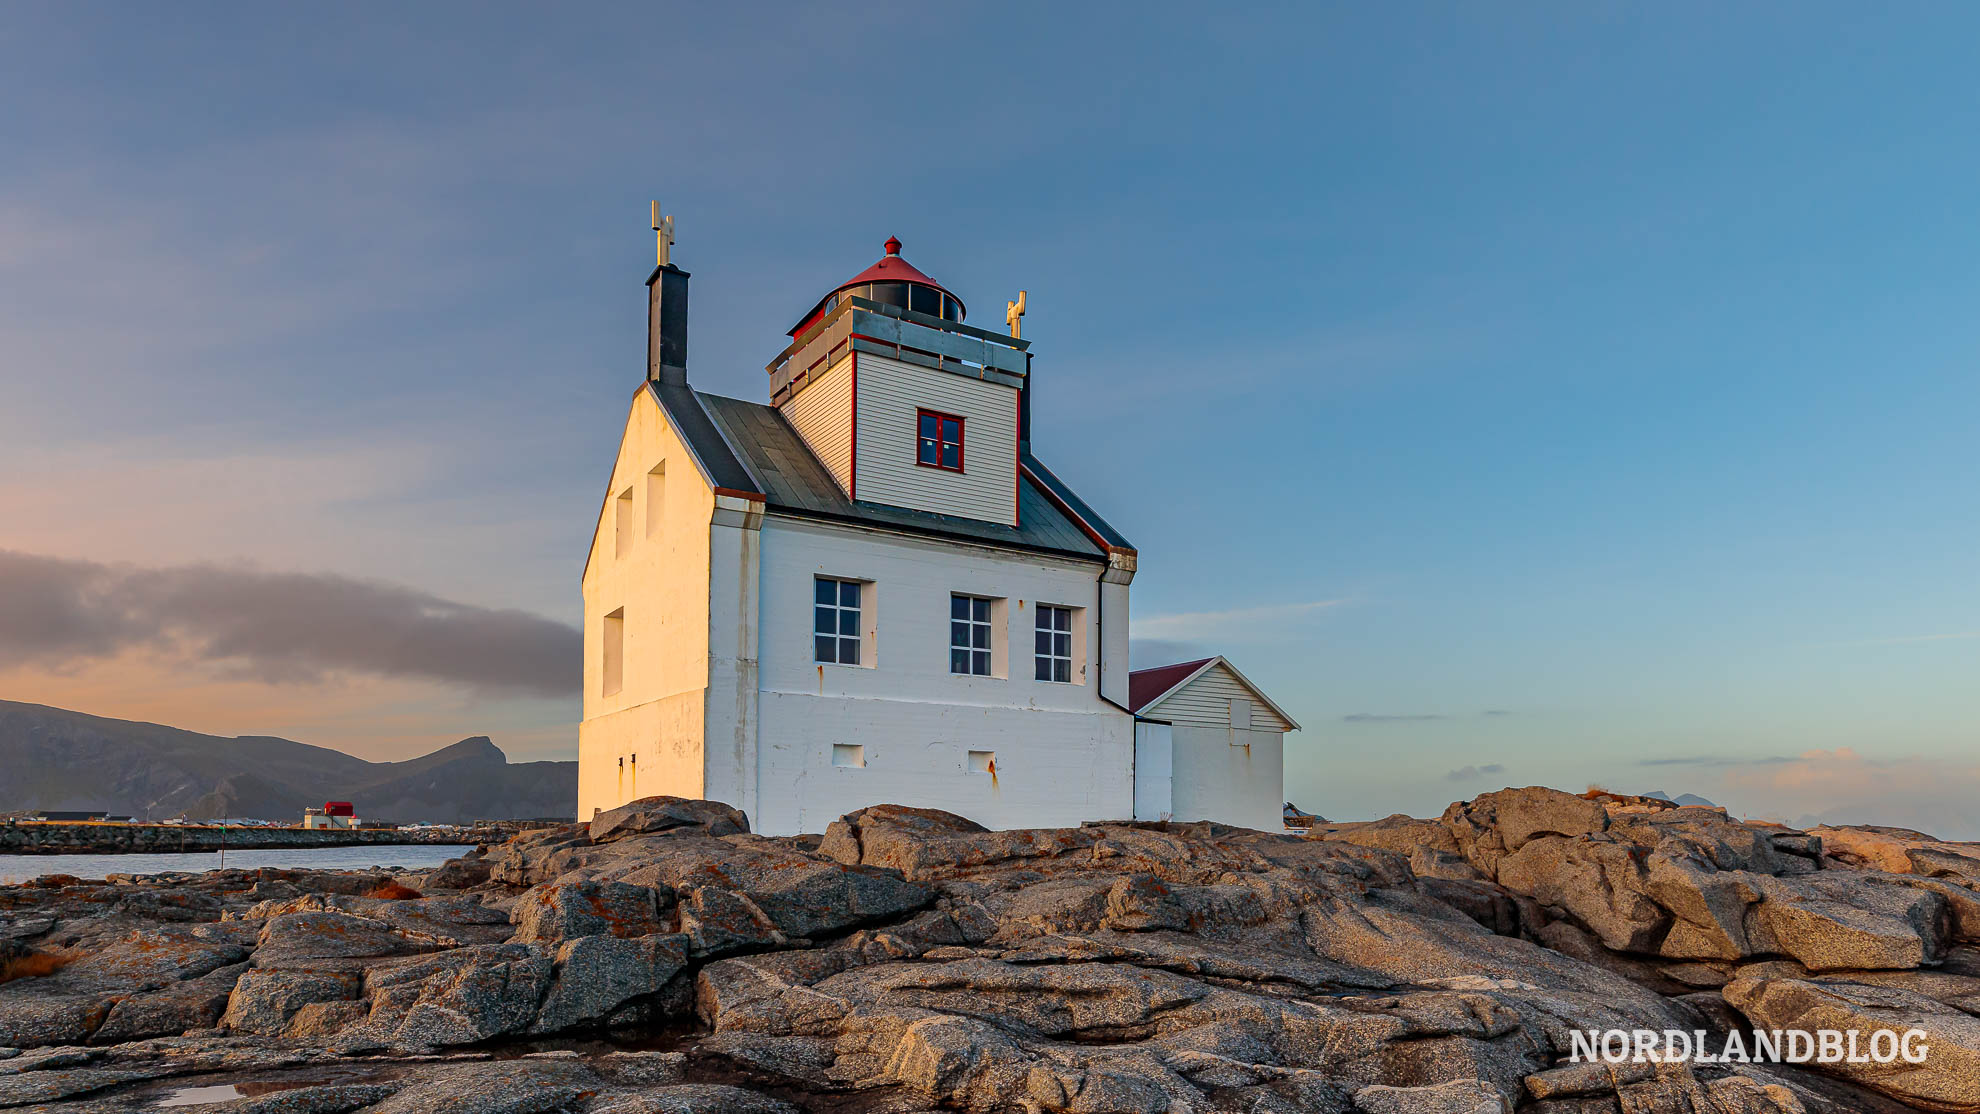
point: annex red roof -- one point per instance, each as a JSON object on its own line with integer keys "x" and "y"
{"x": 1144, "y": 685}
{"x": 890, "y": 268}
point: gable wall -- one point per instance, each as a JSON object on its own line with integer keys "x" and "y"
{"x": 656, "y": 719}
{"x": 1206, "y": 702}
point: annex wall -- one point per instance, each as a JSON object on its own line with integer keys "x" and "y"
{"x": 1230, "y": 776}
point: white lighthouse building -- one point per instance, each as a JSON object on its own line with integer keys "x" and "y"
{"x": 867, "y": 590}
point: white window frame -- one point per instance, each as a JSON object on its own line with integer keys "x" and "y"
{"x": 980, "y": 659}
{"x": 838, "y": 610}
{"x": 1051, "y": 658}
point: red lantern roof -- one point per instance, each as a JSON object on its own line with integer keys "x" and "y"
{"x": 890, "y": 268}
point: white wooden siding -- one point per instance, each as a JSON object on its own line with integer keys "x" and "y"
{"x": 889, "y": 392}
{"x": 822, "y": 415}
{"x": 1206, "y": 702}
{"x": 1063, "y": 754}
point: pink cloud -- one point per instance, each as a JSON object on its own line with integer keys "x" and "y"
{"x": 1841, "y": 786}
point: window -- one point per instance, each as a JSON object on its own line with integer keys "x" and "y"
{"x": 835, "y": 621}
{"x": 925, "y": 299}
{"x": 889, "y": 293}
{"x": 919, "y": 298}
{"x": 849, "y": 756}
{"x": 656, "y": 498}
{"x": 1053, "y": 643}
{"x": 622, "y": 529}
{"x": 614, "y": 651}
{"x": 1240, "y": 714}
{"x": 939, "y": 440}
{"x": 969, "y": 635}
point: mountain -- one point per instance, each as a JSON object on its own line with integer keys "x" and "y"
{"x": 57, "y": 759}
{"x": 1689, "y": 800}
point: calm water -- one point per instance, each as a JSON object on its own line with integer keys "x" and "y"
{"x": 20, "y": 868}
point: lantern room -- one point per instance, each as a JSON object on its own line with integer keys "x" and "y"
{"x": 892, "y": 281}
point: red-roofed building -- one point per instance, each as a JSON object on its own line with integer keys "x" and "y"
{"x": 333, "y": 814}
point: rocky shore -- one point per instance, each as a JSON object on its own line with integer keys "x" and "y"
{"x": 664, "y": 960}
{"x": 58, "y": 838}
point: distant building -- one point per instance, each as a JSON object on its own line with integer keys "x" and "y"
{"x": 78, "y": 817}
{"x": 1299, "y": 821}
{"x": 334, "y": 814}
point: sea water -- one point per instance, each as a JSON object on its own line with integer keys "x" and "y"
{"x": 21, "y": 868}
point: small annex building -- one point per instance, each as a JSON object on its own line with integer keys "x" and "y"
{"x": 1208, "y": 745}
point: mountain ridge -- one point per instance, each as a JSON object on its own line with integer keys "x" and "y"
{"x": 57, "y": 758}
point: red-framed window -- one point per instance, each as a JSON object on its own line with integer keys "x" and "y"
{"x": 938, "y": 440}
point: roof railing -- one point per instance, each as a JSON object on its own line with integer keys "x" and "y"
{"x": 859, "y": 325}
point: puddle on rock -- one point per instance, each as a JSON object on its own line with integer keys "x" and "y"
{"x": 226, "y": 1092}
{"x": 199, "y": 1096}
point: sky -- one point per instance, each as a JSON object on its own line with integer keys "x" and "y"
{"x": 1556, "y": 394}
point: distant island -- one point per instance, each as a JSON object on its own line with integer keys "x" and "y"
{"x": 1689, "y": 800}
{"x": 59, "y": 759}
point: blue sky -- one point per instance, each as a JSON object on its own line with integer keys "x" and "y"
{"x": 1562, "y": 394}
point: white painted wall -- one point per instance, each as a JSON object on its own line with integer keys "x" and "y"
{"x": 822, "y": 415}
{"x": 730, "y": 728}
{"x": 1230, "y": 777}
{"x": 887, "y": 394}
{"x": 646, "y": 737}
{"x": 1062, "y": 754}
{"x": 1154, "y": 772}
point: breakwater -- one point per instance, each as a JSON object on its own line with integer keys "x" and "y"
{"x": 29, "y": 837}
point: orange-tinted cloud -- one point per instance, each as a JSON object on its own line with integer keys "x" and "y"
{"x": 1841, "y": 786}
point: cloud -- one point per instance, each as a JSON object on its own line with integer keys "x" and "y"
{"x": 1419, "y": 717}
{"x": 1469, "y": 773}
{"x": 1902, "y": 639}
{"x": 1203, "y": 624}
{"x": 1711, "y": 760}
{"x": 1146, "y": 653}
{"x": 275, "y": 627}
{"x": 1840, "y": 786}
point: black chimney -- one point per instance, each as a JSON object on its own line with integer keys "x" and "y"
{"x": 666, "y": 326}
{"x": 1024, "y": 408}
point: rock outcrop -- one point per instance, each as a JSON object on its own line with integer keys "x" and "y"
{"x": 910, "y": 960}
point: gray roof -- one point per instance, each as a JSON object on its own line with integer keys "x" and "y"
{"x": 747, "y": 446}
